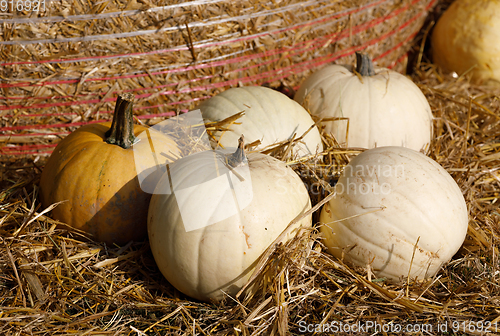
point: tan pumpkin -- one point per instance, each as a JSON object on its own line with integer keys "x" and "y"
{"x": 466, "y": 39}
{"x": 92, "y": 170}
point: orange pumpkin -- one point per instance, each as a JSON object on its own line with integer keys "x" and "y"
{"x": 94, "y": 172}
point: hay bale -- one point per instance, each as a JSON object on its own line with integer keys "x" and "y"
{"x": 63, "y": 66}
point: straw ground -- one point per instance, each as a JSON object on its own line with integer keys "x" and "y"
{"x": 56, "y": 282}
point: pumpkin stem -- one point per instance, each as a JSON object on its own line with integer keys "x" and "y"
{"x": 121, "y": 132}
{"x": 238, "y": 157}
{"x": 364, "y": 65}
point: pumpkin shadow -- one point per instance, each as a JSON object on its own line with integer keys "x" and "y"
{"x": 127, "y": 246}
{"x": 139, "y": 265}
{"x": 123, "y": 218}
{"x": 128, "y": 243}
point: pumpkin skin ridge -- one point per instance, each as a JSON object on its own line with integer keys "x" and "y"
{"x": 100, "y": 176}
{"x": 359, "y": 256}
{"x": 240, "y": 253}
{"x": 199, "y": 287}
{"x": 355, "y": 203}
{"x": 361, "y": 252}
{"x": 423, "y": 101}
{"x": 243, "y": 271}
{"x": 74, "y": 149}
{"x": 290, "y": 121}
{"x": 71, "y": 160}
{"x": 97, "y": 151}
{"x": 380, "y": 99}
{"x": 244, "y": 119}
{"x": 374, "y": 97}
{"x": 371, "y": 93}
{"x": 120, "y": 200}
{"x": 330, "y": 76}
{"x": 377, "y": 217}
{"x": 450, "y": 184}
{"x": 398, "y": 231}
{"x": 345, "y": 85}
{"x": 428, "y": 220}
{"x": 200, "y": 264}
{"x": 103, "y": 196}
{"x": 264, "y": 108}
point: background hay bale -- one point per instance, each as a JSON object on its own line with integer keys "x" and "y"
{"x": 63, "y": 67}
{"x": 55, "y": 282}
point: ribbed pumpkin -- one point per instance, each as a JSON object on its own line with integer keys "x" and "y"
{"x": 269, "y": 116}
{"x": 396, "y": 210}
{"x": 368, "y": 106}
{"x": 93, "y": 171}
{"x": 466, "y": 39}
{"x": 205, "y": 252}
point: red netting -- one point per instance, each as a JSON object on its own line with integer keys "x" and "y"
{"x": 50, "y": 85}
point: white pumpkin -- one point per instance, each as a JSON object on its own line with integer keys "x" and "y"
{"x": 374, "y": 108}
{"x": 466, "y": 39}
{"x": 269, "y": 116}
{"x": 200, "y": 246}
{"x": 393, "y": 205}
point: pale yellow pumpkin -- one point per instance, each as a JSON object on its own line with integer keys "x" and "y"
{"x": 466, "y": 39}
{"x": 205, "y": 254}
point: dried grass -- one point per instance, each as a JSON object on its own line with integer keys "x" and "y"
{"x": 53, "y": 281}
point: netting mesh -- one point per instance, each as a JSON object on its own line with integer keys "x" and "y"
{"x": 63, "y": 67}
